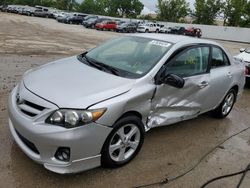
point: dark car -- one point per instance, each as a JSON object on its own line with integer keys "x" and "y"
{"x": 3, "y": 8}
{"x": 194, "y": 32}
{"x": 90, "y": 17}
{"x": 76, "y": 19}
{"x": 127, "y": 27}
{"x": 90, "y": 23}
{"x": 41, "y": 13}
{"x": 28, "y": 11}
{"x": 177, "y": 30}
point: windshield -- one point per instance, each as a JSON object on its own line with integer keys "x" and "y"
{"x": 133, "y": 56}
{"x": 91, "y": 19}
{"x": 124, "y": 24}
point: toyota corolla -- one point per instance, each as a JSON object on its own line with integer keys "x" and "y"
{"x": 93, "y": 109}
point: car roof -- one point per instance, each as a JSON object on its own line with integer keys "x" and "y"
{"x": 175, "y": 38}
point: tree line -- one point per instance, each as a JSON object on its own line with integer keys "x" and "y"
{"x": 233, "y": 12}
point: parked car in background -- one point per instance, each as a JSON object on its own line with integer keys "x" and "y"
{"x": 106, "y": 25}
{"x": 149, "y": 28}
{"x": 116, "y": 92}
{"x": 165, "y": 30}
{"x": 75, "y": 19}
{"x": 90, "y": 17}
{"x": 41, "y": 13}
{"x": 63, "y": 17}
{"x": 27, "y": 11}
{"x": 120, "y": 22}
{"x": 127, "y": 27}
{"x": 193, "y": 31}
{"x": 245, "y": 57}
{"x": 177, "y": 30}
{"x": 91, "y": 23}
{"x": 4, "y": 8}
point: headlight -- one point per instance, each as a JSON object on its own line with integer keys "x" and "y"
{"x": 70, "y": 118}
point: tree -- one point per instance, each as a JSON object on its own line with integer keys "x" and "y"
{"x": 66, "y": 4}
{"x": 206, "y": 11}
{"x": 236, "y": 12}
{"x": 128, "y": 8}
{"x": 172, "y": 10}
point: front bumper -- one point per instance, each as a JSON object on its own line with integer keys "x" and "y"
{"x": 85, "y": 142}
{"x": 141, "y": 30}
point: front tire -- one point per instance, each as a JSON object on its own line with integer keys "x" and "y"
{"x": 123, "y": 143}
{"x": 226, "y": 105}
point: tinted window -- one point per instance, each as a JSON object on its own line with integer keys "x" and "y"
{"x": 190, "y": 62}
{"x": 219, "y": 58}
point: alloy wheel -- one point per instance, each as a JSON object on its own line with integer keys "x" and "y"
{"x": 124, "y": 142}
{"x": 228, "y": 103}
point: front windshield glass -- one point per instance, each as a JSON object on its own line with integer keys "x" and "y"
{"x": 124, "y": 24}
{"x": 133, "y": 55}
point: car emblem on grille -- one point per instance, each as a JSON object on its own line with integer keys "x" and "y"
{"x": 18, "y": 99}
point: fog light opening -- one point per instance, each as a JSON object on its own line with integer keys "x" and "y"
{"x": 63, "y": 154}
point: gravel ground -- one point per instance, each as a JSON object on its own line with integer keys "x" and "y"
{"x": 27, "y": 42}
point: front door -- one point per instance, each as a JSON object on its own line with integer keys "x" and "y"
{"x": 171, "y": 104}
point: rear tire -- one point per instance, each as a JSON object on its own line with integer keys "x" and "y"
{"x": 123, "y": 143}
{"x": 226, "y": 105}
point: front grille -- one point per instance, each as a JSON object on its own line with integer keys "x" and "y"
{"x": 29, "y": 144}
{"x": 30, "y": 109}
{"x": 28, "y": 113}
{"x": 38, "y": 107}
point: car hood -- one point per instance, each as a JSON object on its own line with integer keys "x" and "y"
{"x": 70, "y": 83}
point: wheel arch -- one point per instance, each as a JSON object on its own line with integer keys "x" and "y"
{"x": 236, "y": 88}
{"x": 130, "y": 113}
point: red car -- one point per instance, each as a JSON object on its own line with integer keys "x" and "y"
{"x": 106, "y": 25}
{"x": 194, "y": 32}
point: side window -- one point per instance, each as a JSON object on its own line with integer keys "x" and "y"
{"x": 190, "y": 62}
{"x": 219, "y": 58}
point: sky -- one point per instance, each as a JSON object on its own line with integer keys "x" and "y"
{"x": 151, "y": 4}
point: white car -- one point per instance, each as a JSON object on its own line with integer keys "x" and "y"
{"x": 165, "y": 30}
{"x": 149, "y": 28}
{"x": 245, "y": 56}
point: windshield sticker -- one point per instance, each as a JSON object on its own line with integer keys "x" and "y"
{"x": 139, "y": 72}
{"x": 160, "y": 43}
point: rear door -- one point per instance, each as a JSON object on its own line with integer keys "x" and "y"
{"x": 221, "y": 76}
{"x": 170, "y": 104}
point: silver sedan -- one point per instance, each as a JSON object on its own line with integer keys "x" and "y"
{"x": 93, "y": 109}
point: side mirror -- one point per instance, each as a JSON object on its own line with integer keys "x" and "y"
{"x": 242, "y": 50}
{"x": 174, "y": 80}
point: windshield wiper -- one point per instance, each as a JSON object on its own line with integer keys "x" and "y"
{"x": 109, "y": 68}
{"x": 90, "y": 62}
{"x": 99, "y": 65}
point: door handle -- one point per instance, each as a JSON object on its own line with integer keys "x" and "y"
{"x": 203, "y": 84}
{"x": 229, "y": 74}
